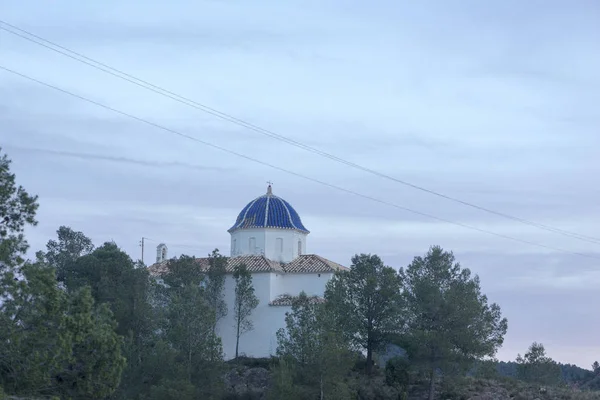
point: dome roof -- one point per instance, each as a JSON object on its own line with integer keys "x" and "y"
{"x": 268, "y": 211}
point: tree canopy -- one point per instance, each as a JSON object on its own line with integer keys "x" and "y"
{"x": 367, "y": 302}
{"x": 536, "y": 366}
{"x": 449, "y": 321}
{"x": 244, "y": 303}
{"x": 17, "y": 210}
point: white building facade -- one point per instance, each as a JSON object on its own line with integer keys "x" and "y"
{"x": 269, "y": 237}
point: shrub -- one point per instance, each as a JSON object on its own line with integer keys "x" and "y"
{"x": 397, "y": 372}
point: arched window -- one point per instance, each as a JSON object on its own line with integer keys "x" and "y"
{"x": 252, "y": 245}
{"x": 234, "y": 246}
{"x": 279, "y": 245}
{"x": 299, "y": 247}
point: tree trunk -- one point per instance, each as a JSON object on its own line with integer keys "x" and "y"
{"x": 369, "y": 360}
{"x": 321, "y": 387}
{"x": 189, "y": 356}
{"x": 190, "y": 365}
{"x": 237, "y": 338}
{"x": 432, "y": 383}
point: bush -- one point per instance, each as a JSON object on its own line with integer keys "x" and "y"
{"x": 266, "y": 363}
{"x": 173, "y": 390}
{"x": 397, "y": 372}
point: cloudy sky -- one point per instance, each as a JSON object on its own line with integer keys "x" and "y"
{"x": 494, "y": 103}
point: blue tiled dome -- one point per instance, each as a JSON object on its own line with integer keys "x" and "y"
{"x": 268, "y": 211}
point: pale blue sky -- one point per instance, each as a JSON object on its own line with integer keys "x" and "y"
{"x": 493, "y": 102}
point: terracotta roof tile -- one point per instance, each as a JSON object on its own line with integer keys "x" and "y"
{"x": 307, "y": 263}
{"x": 312, "y": 263}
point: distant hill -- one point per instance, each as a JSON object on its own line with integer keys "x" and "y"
{"x": 572, "y": 374}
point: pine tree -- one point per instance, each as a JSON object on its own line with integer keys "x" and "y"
{"x": 244, "y": 303}
{"x": 51, "y": 341}
{"x": 313, "y": 345}
{"x": 215, "y": 286}
{"x": 535, "y": 366}
{"x": 366, "y": 302}
{"x": 17, "y": 210}
{"x": 449, "y": 321}
{"x": 96, "y": 363}
{"x": 34, "y": 339}
{"x": 188, "y": 324}
{"x": 61, "y": 254}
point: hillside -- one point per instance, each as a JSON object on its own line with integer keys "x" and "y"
{"x": 571, "y": 374}
{"x": 255, "y": 379}
{"x": 508, "y": 388}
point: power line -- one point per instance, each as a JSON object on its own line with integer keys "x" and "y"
{"x": 164, "y": 92}
{"x": 223, "y": 149}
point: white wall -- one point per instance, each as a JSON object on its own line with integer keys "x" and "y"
{"x": 293, "y": 284}
{"x": 260, "y": 342}
{"x": 266, "y": 243}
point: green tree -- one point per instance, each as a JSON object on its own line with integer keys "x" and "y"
{"x": 537, "y": 367}
{"x": 55, "y": 342}
{"x": 321, "y": 356}
{"x": 188, "y": 324}
{"x": 215, "y": 286}
{"x": 398, "y": 373}
{"x": 45, "y": 332}
{"x": 244, "y": 303}
{"x": 300, "y": 339}
{"x": 113, "y": 279}
{"x": 62, "y": 253}
{"x": 284, "y": 385}
{"x": 17, "y": 210}
{"x": 596, "y": 367}
{"x": 367, "y": 302}
{"x": 95, "y": 363}
{"x": 34, "y": 340}
{"x": 449, "y": 320}
{"x": 487, "y": 369}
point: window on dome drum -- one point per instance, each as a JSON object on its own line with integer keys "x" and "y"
{"x": 234, "y": 245}
{"x": 279, "y": 245}
{"x": 299, "y": 247}
{"x": 252, "y": 245}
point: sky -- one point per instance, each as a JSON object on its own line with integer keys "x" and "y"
{"x": 494, "y": 103}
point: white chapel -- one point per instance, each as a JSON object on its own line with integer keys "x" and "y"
{"x": 270, "y": 238}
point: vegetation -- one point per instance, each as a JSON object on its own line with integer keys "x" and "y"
{"x": 244, "y": 303}
{"x": 313, "y": 351}
{"x": 449, "y": 322}
{"x": 86, "y": 322}
{"x": 368, "y": 303}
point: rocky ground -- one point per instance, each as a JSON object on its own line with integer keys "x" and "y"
{"x": 246, "y": 382}
{"x": 243, "y": 382}
{"x": 508, "y": 389}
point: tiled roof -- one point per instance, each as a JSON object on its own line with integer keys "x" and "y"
{"x": 307, "y": 263}
{"x": 286, "y": 300}
{"x": 269, "y": 211}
